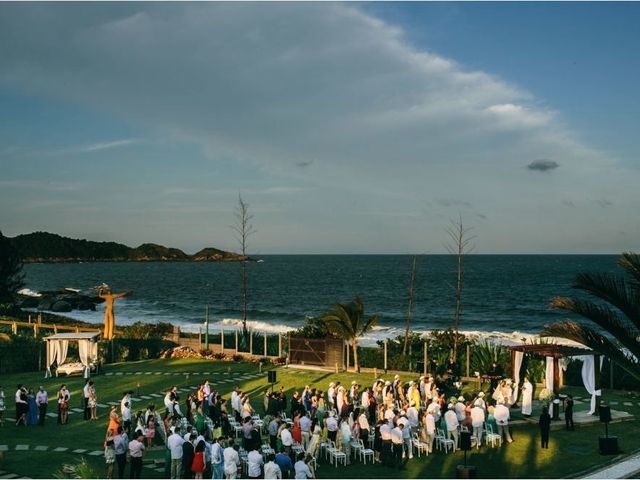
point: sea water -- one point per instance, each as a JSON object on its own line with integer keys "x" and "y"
{"x": 504, "y": 295}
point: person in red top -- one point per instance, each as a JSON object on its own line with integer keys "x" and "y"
{"x": 296, "y": 431}
{"x": 198, "y": 464}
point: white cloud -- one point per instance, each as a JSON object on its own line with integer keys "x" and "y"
{"x": 287, "y": 84}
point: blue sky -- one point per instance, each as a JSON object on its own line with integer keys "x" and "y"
{"x": 348, "y": 128}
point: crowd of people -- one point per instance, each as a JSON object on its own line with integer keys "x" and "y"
{"x": 206, "y": 434}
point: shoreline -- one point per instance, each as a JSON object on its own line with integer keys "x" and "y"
{"x": 496, "y": 337}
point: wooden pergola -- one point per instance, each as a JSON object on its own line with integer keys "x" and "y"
{"x": 556, "y": 352}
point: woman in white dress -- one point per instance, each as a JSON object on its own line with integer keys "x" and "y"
{"x": 527, "y": 396}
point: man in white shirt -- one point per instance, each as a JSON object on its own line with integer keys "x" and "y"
{"x": 332, "y": 426}
{"x": 305, "y": 428}
{"x": 331, "y": 395}
{"x": 501, "y": 414}
{"x": 85, "y": 399}
{"x": 385, "y": 437}
{"x": 231, "y": 461}
{"x": 271, "y": 469}
{"x": 430, "y": 430}
{"x": 477, "y": 421}
{"x": 42, "y": 399}
{"x": 126, "y": 417}
{"x": 397, "y": 441}
{"x": 451, "y": 419}
{"x": 363, "y": 420}
{"x": 406, "y": 437}
{"x": 174, "y": 443}
{"x": 302, "y": 468}
{"x": 254, "y": 464}
{"x": 413, "y": 417}
{"x": 364, "y": 399}
{"x": 460, "y": 408}
{"x": 286, "y": 439}
{"x": 217, "y": 459}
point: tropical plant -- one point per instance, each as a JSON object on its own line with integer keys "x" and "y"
{"x": 349, "y": 323}
{"x": 616, "y": 311}
{"x": 11, "y": 277}
{"x": 485, "y": 353}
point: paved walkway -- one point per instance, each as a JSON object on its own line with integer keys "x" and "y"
{"x": 627, "y": 468}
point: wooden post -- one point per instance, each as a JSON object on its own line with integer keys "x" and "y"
{"x": 279, "y": 346}
{"x": 347, "y": 345}
{"x": 424, "y": 358}
{"x": 468, "y": 359}
{"x": 221, "y": 340}
{"x": 55, "y": 328}
{"x": 556, "y": 375}
{"x": 251, "y": 342}
{"x": 611, "y": 374}
{"x": 206, "y": 326}
{"x": 39, "y": 318}
{"x": 265, "y": 344}
{"x": 29, "y": 318}
{"x": 35, "y": 329}
{"x": 77, "y": 330}
{"x": 236, "y": 341}
{"x": 385, "y": 355}
{"x": 14, "y": 328}
{"x": 199, "y": 338}
{"x": 513, "y": 363}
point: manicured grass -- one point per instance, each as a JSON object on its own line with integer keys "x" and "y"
{"x": 569, "y": 452}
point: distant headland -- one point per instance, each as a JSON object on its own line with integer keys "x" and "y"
{"x": 44, "y": 247}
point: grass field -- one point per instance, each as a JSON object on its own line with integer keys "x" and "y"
{"x": 569, "y": 452}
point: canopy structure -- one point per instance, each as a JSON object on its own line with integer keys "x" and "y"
{"x": 58, "y": 345}
{"x": 556, "y": 358}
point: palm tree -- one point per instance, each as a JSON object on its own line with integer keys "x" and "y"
{"x": 617, "y": 312}
{"x": 349, "y": 323}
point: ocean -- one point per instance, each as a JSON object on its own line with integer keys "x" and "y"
{"x": 503, "y": 295}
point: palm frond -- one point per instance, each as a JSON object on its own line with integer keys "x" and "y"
{"x": 630, "y": 262}
{"x": 612, "y": 289}
{"x": 605, "y": 317}
{"x": 587, "y": 336}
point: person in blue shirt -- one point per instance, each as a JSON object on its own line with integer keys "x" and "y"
{"x": 286, "y": 465}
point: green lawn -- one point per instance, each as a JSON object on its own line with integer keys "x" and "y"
{"x": 569, "y": 452}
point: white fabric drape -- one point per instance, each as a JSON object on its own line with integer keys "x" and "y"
{"x": 93, "y": 348}
{"x": 549, "y": 374}
{"x": 63, "y": 347}
{"x": 83, "y": 353}
{"x": 589, "y": 378}
{"x": 52, "y": 353}
{"x": 518, "y": 356}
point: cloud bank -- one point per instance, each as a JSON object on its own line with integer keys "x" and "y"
{"x": 290, "y": 86}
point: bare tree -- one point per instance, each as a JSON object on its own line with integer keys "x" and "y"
{"x": 459, "y": 245}
{"x": 410, "y": 309}
{"x": 243, "y": 230}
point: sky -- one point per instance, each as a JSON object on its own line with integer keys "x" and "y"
{"x": 346, "y": 127}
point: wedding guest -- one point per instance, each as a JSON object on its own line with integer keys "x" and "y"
{"x": 2, "y": 407}
{"x": 22, "y": 407}
{"x": 121, "y": 447}
{"x": 231, "y": 461}
{"x": 545, "y": 426}
{"x": 32, "y": 408}
{"x": 136, "y": 451}
{"x": 42, "y": 399}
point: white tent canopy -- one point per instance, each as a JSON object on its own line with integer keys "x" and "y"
{"x": 58, "y": 345}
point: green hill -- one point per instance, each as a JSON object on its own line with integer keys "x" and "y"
{"x": 44, "y": 247}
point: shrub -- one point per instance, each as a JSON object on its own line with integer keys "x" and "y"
{"x": 237, "y": 358}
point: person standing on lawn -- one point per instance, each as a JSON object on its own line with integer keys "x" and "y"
{"x": 121, "y": 446}
{"x": 136, "y": 451}
{"x": 85, "y": 399}
{"x": 217, "y": 459}
{"x": 568, "y": 412}
{"x": 545, "y": 426}
{"x": 527, "y": 397}
{"x": 174, "y": 443}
